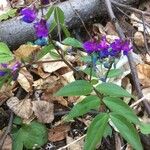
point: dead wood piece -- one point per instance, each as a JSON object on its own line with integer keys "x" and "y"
{"x": 15, "y": 32}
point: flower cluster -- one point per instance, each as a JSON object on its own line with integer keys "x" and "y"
{"x": 29, "y": 15}
{"x": 7, "y": 69}
{"x": 104, "y": 49}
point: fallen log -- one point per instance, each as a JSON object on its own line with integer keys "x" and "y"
{"x": 15, "y": 32}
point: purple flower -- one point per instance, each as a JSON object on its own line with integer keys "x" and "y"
{"x": 126, "y": 47}
{"x": 41, "y": 28}
{"x": 44, "y": 2}
{"x": 90, "y": 47}
{"x": 15, "y": 67}
{"x": 29, "y": 15}
{"x": 4, "y": 65}
{"x": 2, "y": 73}
{"x": 103, "y": 44}
{"x": 119, "y": 45}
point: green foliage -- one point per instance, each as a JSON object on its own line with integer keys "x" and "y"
{"x": 58, "y": 20}
{"x": 5, "y": 53}
{"x": 127, "y": 130}
{"x": 76, "y": 88}
{"x": 96, "y": 131}
{"x": 72, "y": 42}
{"x": 114, "y": 73}
{"x": 88, "y": 103}
{"x": 30, "y": 135}
{"x": 145, "y": 128}
{"x": 119, "y": 106}
{"x": 11, "y": 13}
{"x": 59, "y": 16}
{"x": 113, "y": 90}
{"x": 46, "y": 49}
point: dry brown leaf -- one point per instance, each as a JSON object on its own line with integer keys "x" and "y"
{"x": 147, "y": 59}
{"x": 110, "y": 29}
{"x": 5, "y": 93}
{"x": 22, "y": 108}
{"x": 143, "y": 71}
{"x": 139, "y": 39}
{"x": 98, "y": 29}
{"x": 25, "y": 79}
{"x": 75, "y": 146}
{"x": 135, "y": 22}
{"x": 25, "y": 51}
{"x": 127, "y": 85}
{"x": 7, "y": 143}
{"x": 44, "y": 111}
{"x": 48, "y": 94}
{"x": 52, "y": 66}
{"x": 58, "y": 133}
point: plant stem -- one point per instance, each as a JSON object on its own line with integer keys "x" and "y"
{"x": 129, "y": 56}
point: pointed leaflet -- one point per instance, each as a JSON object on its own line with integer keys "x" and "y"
{"x": 114, "y": 73}
{"x": 5, "y": 53}
{"x": 88, "y": 103}
{"x": 30, "y": 135}
{"x": 76, "y": 88}
{"x": 119, "y": 106}
{"x": 127, "y": 130}
{"x": 72, "y": 42}
{"x": 59, "y": 16}
{"x": 145, "y": 128}
{"x": 95, "y": 131}
{"x": 49, "y": 13}
{"x": 113, "y": 90}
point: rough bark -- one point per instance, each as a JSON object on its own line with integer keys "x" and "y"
{"x": 16, "y": 32}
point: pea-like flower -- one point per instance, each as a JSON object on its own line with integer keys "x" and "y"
{"x": 29, "y": 14}
{"x": 41, "y": 28}
{"x": 120, "y": 45}
{"x": 13, "y": 70}
{"x": 90, "y": 46}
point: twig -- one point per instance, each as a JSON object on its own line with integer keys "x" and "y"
{"x": 8, "y": 129}
{"x": 134, "y": 19}
{"x": 137, "y": 102}
{"x": 130, "y": 8}
{"x": 129, "y": 56}
{"x": 66, "y": 146}
{"x": 145, "y": 40}
{"x": 81, "y": 20}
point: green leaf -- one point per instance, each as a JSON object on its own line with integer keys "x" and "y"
{"x": 49, "y": 13}
{"x": 12, "y": 12}
{"x": 65, "y": 30}
{"x": 113, "y": 90}
{"x": 88, "y": 72}
{"x": 76, "y": 88}
{"x": 59, "y": 16}
{"x": 145, "y": 128}
{"x": 44, "y": 51}
{"x": 81, "y": 108}
{"x": 119, "y": 106}
{"x": 53, "y": 25}
{"x": 4, "y": 17}
{"x": 96, "y": 131}
{"x": 5, "y": 53}
{"x": 127, "y": 130}
{"x": 17, "y": 120}
{"x": 108, "y": 131}
{"x": 114, "y": 73}
{"x": 30, "y": 135}
{"x": 72, "y": 42}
